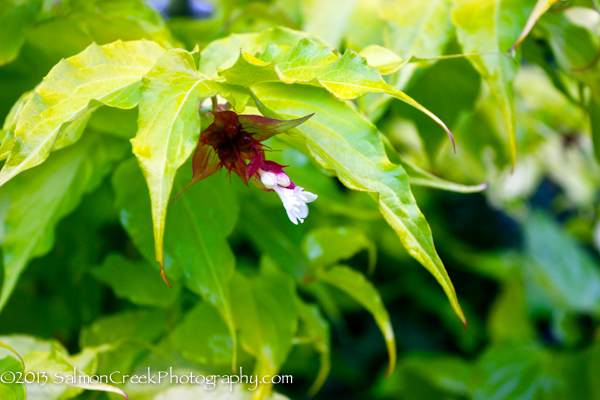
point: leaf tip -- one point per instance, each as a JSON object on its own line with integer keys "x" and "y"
{"x": 391, "y": 365}
{"x": 164, "y": 275}
{"x": 451, "y": 136}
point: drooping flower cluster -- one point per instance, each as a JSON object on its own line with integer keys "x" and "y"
{"x": 234, "y": 141}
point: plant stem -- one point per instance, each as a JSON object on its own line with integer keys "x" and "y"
{"x": 214, "y": 103}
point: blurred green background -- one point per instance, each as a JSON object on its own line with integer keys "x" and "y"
{"x": 523, "y": 254}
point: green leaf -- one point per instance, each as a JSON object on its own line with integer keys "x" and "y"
{"x": 52, "y": 359}
{"x": 202, "y": 338}
{"x": 428, "y": 375}
{"x": 105, "y": 21}
{"x": 413, "y": 28}
{"x": 134, "y": 281}
{"x": 508, "y": 318}
{"x": 417, "y": 28}
{"x": 33, "y": 204}
{"x": 11, "y": 391}
{"x": 364, "y": 27}
{"x": 327, "y": 246}
{"x": 109, "y": 75}
{"x": 16, "y": 17}
{"x": 594, "y": 112}
{"x": 540, "y": 8}
{"x": 575, "y": 49}
{"x": 355, "y": 285}
{"x": 264, "y": 310}
{"x": 10, "y": 124}
{"x": 560, "y": 267}
{"x": 485, "y": 26}
{"x": 340, "y": 139}
{"x": 274, "y": 235}
{"x": 169, "y": 126}
{"x": 129, "y": 334}
{"x": 315, "y": 329}
{"x": 525, "y": 371}
{"x": 115, "y": 122}
{"x": 386, "y": 61}
{"x": 222, "y": 53}
{"x": 327, "y": 18}
{"x": 419, "y": 177}
{"x": 196, "y": 248}
{"x": 346, "y": 77}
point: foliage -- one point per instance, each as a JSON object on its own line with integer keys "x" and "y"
{"x": 374, "y": 88}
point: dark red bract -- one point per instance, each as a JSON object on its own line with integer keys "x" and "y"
{"x": 234, "y": 141}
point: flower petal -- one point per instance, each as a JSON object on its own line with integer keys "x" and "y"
{"x": 263, "y": 128}
{"x": 309, "y": 197}
{"x": 204, "y": 163}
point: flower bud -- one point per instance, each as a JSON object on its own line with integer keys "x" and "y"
{"x": 283, "y": 180}
{"x": 268, "y": 179}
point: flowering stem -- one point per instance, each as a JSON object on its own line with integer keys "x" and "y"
{"x": 215, "y": 105}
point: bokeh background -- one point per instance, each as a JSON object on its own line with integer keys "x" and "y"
{"x": 522, "y": 254}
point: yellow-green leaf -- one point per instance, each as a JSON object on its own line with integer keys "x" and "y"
{"x": 346, "y": 77}
{"x": 109, "y": 75}
{"x": 341, "y": 139}
{"x": 169, "y": 126}
{"x": 540, "y": 8}
{"x": 222, "y": 53}
{"x": 485, "y": 26}
{"x": 386, "y": 61}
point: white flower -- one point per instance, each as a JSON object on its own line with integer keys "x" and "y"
{"x": 294, "y": 200}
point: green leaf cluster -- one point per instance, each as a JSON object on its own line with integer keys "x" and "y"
{"x": 103, "y": 104}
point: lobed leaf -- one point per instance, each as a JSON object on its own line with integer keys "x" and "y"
{"x": 33, "y": 204}
{"x": 493, "y": 26}
{"x": 168, "y": 129}
{"x": 354, "y": 284}
{"x": 342, "y": 140}
{"x": 346, "y": 77}
{"x": 222, "y": 53}
{"x": 100, "y": 75}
